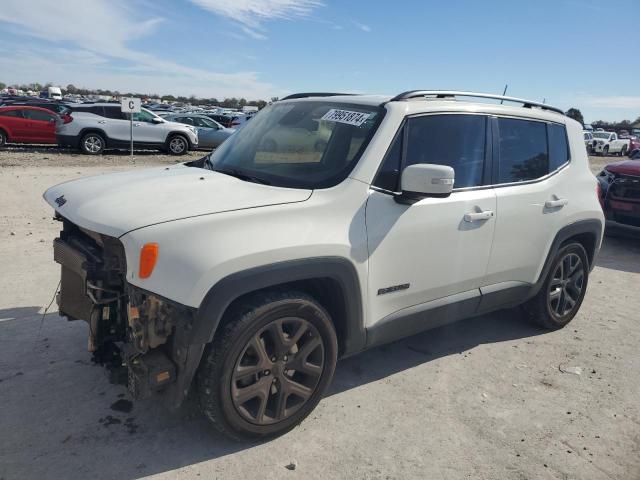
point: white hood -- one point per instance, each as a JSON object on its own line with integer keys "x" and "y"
{"x": 117, "y": 203}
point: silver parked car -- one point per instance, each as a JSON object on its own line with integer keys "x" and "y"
{"x": 210, "y": 133}
{"x": 96, "y": 127}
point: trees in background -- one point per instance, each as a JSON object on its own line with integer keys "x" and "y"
{"x": 575, "y": 114}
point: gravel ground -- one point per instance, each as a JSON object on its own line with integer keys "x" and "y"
{"x": 487, "y": 398}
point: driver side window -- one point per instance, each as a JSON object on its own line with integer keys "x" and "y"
{"x": 458, "y": 141}
{"x": 143, "y": 116}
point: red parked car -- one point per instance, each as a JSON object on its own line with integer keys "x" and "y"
{"x": 620, "y": 193}
{"x": 23, "y": 124}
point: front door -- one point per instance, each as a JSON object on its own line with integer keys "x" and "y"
{"x": 437, "y": 247}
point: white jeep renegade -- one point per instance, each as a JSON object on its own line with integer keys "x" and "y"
{"x": 327, "y": 225}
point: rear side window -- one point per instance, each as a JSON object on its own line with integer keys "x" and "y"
{"x": 112, "y": 112}
{"x": 558, "y": 147}
{"x": 454, "y": 140}
{"x": 523, "y": 150}
{"x": 38, "y": 115}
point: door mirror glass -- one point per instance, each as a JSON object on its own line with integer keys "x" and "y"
{"x": 426, "y": 180}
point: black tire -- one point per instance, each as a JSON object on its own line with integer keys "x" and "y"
{"x": 605, "y": 151}
{"x": 623, "y": 152}
{"x": 177, "y": 145}
{"x": 542, "y": 308}
{"x": 219, "y": 388}
{"x": 3, "y": 138}
{"x": 92, "y": 143}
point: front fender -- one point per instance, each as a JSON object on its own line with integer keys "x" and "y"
{"x": 223, "y": 293}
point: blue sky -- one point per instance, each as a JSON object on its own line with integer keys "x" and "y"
{"x": 545, "y": 49}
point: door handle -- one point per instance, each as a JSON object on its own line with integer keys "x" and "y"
{"x": 102, "y": 121}
{"x": 478, "y": 216}
{"x": 557, "y": 203}
{"x": 136, "y": 124}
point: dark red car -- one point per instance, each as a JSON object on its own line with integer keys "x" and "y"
{"x": 23, "y": 124}
{"x": 620, "y": 193}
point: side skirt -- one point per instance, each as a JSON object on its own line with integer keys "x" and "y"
{"x": 446, "y": 310}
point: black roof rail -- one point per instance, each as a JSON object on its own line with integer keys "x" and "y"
{"x": 454, "y": 93}
{"x": 314, "y": 94}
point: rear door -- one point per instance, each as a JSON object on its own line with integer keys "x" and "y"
{"x": 41, "y": 126}
{"x": 115, "y": 123}
{"x": 531, "y": 188}
{"x": 428, "y": 251}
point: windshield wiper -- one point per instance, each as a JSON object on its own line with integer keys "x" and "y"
{"x": 234, "y": 172}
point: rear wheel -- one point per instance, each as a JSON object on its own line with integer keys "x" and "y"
{"x": 3, "y": 138}
{"x": 563, "y": 290}
{"x": 269, "y": 366}
{"x": 92, "y": 144}
{"x": 623, "y": 152}
{"x": 177, "y": 145}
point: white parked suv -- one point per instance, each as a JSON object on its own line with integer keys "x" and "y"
{"x": 253, "y": 269}
{"x": 95, "y": 127}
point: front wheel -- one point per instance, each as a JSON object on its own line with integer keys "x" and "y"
{"x": 269, "y": 366}
{"x": 3, "y": 138}
{"x": 605, "y": 151}
{"x": 563, "y": 290}
{"x": 178, "y": 145}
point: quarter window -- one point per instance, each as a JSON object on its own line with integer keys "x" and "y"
{"x": 454, "y": 140}
{"x": 389, "y": 172}
{"x": 523, "y": 150}
{"x": 558, "y": 148}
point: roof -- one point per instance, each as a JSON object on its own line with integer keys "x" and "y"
{"x": 25, "y": 107}
{"x": 416, "y": 100}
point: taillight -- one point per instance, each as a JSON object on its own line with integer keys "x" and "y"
{"x": 600, "y": 195}
{"x": 66, "y": 118}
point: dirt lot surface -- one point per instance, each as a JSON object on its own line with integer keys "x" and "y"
{"x": 487, "y": 398}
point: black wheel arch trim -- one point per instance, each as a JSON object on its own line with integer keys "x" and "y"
{"x": 184, "y": 135}
{"x": 591, "y": 227}
{"x": 88, "y": 130}
{"x": 232, "y": 287}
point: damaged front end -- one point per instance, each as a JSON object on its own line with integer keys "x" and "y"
{"x": 140, "y": 337}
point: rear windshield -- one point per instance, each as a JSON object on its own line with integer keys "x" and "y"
{"x": 299, "y": 144}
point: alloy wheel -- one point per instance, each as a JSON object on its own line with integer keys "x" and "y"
{"x": 177, "y": 145}
{"x": 93, "y": 144}
{"x": 566, "y": 285}
{"x": 277, "y": 371}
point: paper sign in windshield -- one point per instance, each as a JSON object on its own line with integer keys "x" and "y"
{"x": 346, "y": 116}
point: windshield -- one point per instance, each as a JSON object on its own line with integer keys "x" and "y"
{"x": 601, "y": 135}
{"x": 298, "y": 144}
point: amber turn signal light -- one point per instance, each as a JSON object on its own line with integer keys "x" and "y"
{"x": 148, "y": 258}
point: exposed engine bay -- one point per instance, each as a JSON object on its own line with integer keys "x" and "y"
{"x": 139, "y": 337}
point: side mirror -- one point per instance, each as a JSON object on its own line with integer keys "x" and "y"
{"x": 425, "y": 180}
{"x": 157, "y": 120}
